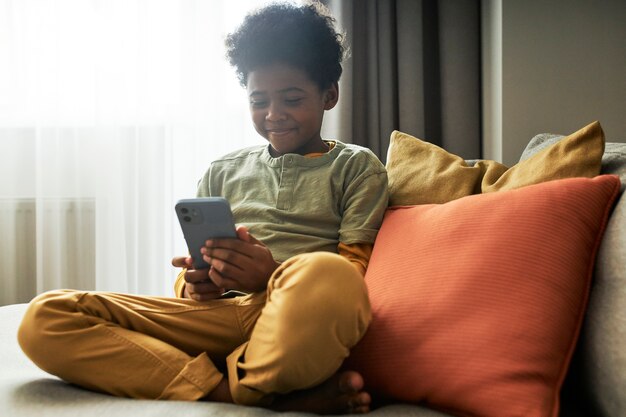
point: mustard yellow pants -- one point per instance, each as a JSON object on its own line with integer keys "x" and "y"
{"x": 291, "y": 337}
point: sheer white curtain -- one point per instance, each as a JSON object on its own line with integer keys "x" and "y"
{"x": 110, "y": 111}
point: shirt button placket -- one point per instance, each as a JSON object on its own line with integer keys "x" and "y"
{"x": 286, "y": 184}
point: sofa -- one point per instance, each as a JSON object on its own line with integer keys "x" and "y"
{"x": 595, "y": 382}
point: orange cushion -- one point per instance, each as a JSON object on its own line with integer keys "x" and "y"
{"x": 477, "y": 303}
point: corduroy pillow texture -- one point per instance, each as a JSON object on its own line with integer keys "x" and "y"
{"x": 477, "y": 303}
{"x": 597, "y": 376}
{"x": 422, "y": 173}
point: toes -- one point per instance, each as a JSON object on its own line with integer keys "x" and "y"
{"x": 360, "y": 410}
{"x": 343, "y": 394}
{"x": 359, "y": 403}
{"x": 350, "y": 382}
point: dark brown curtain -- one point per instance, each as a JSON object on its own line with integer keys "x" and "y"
{"x": 414, "y": 66}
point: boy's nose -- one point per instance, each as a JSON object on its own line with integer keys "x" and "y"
{"x": 275, "y": 113}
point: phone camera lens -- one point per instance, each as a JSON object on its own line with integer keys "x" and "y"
{"x": 187, "y": 218}
{"x": 184, "y": 210}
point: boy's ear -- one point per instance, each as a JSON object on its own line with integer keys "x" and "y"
{"x": 331, "y": 96}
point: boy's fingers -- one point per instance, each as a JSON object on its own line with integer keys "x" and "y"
{"x": 254, "y": 240}
{"x": 235, "y": 258}
{"x": 242, "y": 233}
{"x": 228, "y": 243}
{"x": 238, "y": 245}
{"x": 222, "y": 282}
{"x": 196, "y": 275}
{"x": 203, "y": 291}
{"x": 180, "y": 262}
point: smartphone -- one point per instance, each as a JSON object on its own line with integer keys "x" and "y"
{"x": 201, "y": 219}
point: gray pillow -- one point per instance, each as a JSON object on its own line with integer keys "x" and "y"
{"x": 599, "y": 367}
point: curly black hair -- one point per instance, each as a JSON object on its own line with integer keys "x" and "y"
{"x": 302, "y": 36}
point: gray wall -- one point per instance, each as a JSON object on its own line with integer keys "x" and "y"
{"x": 551, "y": 66}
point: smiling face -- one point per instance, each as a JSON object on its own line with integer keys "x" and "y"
{"x": 287, "y": 109}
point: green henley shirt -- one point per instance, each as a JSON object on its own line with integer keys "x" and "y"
{"x": 296, "y": 204}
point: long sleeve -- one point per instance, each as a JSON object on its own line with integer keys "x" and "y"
{"x": 357, "y": 253}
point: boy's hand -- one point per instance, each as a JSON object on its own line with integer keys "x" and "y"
{"x": 243, "y": 264}
{"x": 198, "y": 285}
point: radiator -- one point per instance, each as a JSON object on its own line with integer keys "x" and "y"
{"x": 45, "y": 244}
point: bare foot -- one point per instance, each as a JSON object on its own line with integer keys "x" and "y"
{"x": 341, "y": 394}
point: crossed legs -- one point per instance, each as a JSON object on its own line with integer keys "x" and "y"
{"x": 267, "y": 347}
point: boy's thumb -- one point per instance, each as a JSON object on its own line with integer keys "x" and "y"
{"x": 243, "y": 234}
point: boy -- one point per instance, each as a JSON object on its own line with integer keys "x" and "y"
{"x": 309, "y": 211}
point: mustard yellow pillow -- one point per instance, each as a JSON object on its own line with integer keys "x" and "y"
{"x": 422, "y": 173}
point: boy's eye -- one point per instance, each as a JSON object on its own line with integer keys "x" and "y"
{"x": 258, "y": 103}
{"x": 293, "y": 101}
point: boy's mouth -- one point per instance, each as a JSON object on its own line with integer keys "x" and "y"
{"x": 279, "y": 132}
